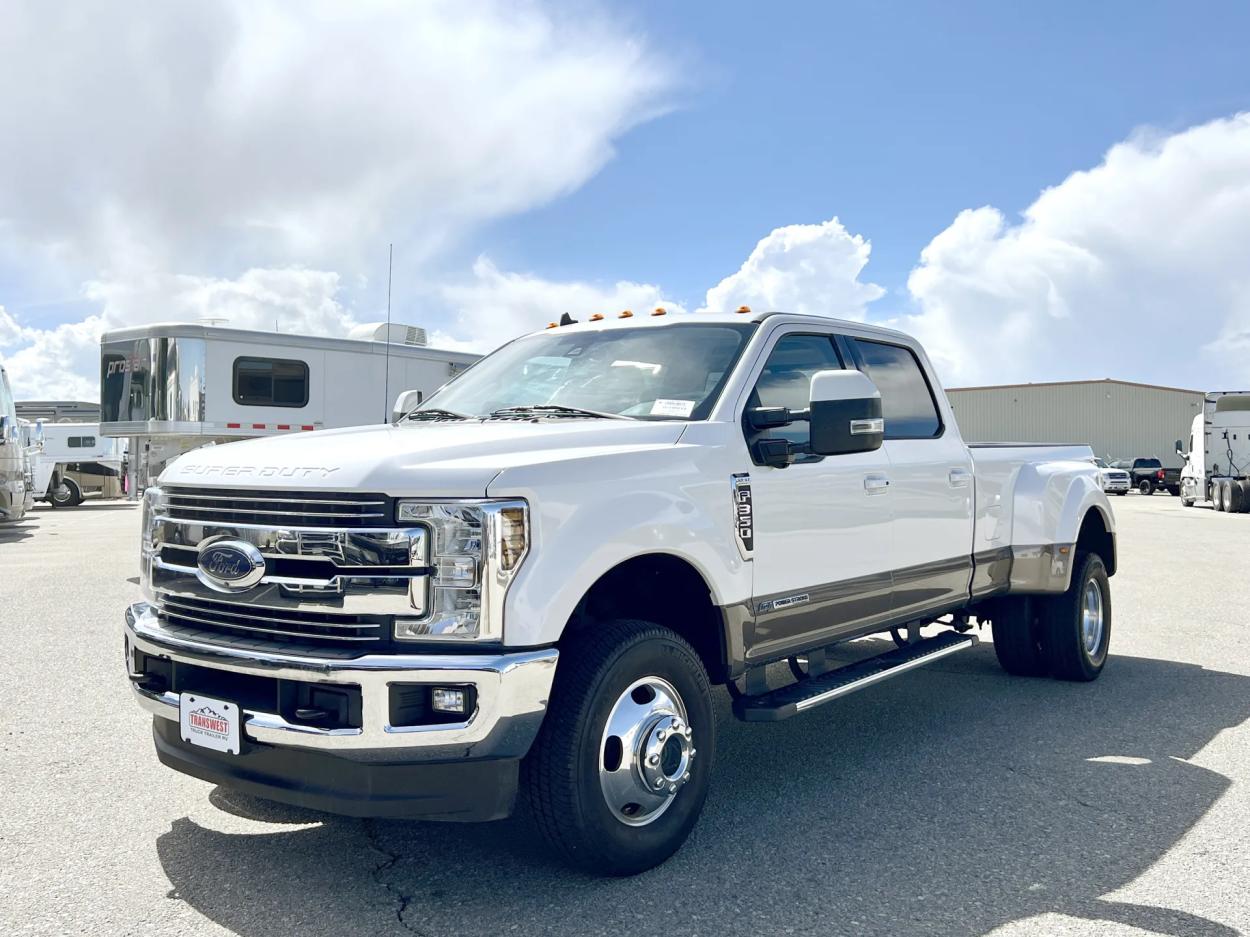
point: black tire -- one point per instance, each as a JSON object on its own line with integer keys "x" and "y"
{"x": 1234, "y": 502}
{"x": 67, "y": 494}
{"x": 1244, "y": 487}
{"x": 561, "y": 772}
{"x": 1017, "y": 637}
{"x": 1145, "y": 487}
{"x": 1063, "y": 635}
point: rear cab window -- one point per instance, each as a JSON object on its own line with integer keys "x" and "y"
{"x": 907, "y": 401}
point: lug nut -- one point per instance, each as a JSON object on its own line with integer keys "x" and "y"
{"x": 653, "y": 760}
{"x": 686, "y": 732}
{"x": 661, "y": 735}
{"x": 672, "y": 788}
{"x": 659, "y": 783}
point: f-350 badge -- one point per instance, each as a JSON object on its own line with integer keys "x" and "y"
{"x": 744, "y": 522}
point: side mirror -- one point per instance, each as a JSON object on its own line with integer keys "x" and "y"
{"x": 1179, "y": 449}
{"x": 5, "y": 429}
{"x": 845, "y": 413}
{"x": 407, "y": 401}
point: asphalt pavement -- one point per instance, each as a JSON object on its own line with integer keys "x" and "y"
{"x": 956, "y": 800}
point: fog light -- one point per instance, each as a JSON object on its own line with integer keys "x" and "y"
{"x": 448, "y": 699}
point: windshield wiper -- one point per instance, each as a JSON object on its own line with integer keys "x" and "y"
{"x": 553, "y": 409}
{"x": 434, "y": 413}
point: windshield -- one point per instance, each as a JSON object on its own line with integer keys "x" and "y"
{"x": 671, "y": 372}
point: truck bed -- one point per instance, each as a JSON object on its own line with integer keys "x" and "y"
{"x": 1015, "y": 497}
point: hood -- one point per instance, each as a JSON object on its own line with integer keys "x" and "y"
{"x": 415, "y": 459}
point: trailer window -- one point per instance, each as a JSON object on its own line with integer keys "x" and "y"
{"x": 270, "y": 382}
{"x": 906, "y": 398}
{"x": 82, "y": 442}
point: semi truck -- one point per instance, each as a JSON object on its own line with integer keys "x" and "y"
{"x": 533, "y": 583}
{"x": 1217, "y": 461}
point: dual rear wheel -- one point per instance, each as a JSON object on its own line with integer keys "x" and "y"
{"x": 1231, "y": 497}
{"x": 1066, "y": 636}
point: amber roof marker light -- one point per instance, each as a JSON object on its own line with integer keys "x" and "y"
{"x": 743, "y": 309}
{"x": 626, "y": 315}
{"x": 597, "y": 317}
{"x": 659, "y": 311}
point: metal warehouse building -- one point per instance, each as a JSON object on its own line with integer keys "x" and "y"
{"x": 1118, "y": 419}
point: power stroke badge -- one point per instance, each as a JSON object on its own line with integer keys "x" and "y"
{"x": 744, "y": 520}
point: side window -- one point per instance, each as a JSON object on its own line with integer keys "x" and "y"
{"x": 906, "y": 398}
{"x": 270, "y": 382}
{"x": 81, "y": 442}
{"x": 787, "y": 378}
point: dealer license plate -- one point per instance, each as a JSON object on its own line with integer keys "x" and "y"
{"x": 209, "y": 723}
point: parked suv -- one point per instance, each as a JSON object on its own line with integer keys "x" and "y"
{"x": 1114, "y": 480}
{"x": 1149, "y": 474}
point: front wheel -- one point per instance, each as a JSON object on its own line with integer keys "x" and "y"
{"x": 1076, "y": 626}
{"x": 620, "y": 769}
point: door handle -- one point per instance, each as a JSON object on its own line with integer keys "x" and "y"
{"x": 876, "y": 484}
{"x": 959, "y": 478}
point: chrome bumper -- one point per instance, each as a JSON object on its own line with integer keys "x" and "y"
{"x": 512, "y": 692}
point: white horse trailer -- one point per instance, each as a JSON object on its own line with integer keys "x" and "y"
{"x": 174, "y": 387}
{"x": 76, "y": 460}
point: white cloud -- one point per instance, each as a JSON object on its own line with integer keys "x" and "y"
{"x": 169, "y": 147}
{"x": 1138, "y": 268}
{"x": 61, "y": 363}
{"x": 10, "y": 331}
{"x": 496, "y": 305}
{"x": 803, "y": 268}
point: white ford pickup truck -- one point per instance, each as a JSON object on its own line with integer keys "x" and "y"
{"x": 531, "y": 583}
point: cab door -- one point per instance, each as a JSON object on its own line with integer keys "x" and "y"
{"x": 822, "y": 525}
{"x": 931, "y": 481}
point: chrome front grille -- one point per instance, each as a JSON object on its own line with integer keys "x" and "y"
{"x": 279, "y": 508}
{"x": 277, "y": 624}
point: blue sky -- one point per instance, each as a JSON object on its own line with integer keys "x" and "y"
{"x": 892, "y": 116}
{"x": 1035, "y": 181}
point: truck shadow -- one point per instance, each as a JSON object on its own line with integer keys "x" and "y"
{"x": 952, "y": 802}
{"x": 13, "y": 531}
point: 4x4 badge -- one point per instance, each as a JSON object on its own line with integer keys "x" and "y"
{"x": 744, "y": 520}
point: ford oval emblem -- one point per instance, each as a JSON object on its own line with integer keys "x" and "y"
{"x": 230, "y": 565}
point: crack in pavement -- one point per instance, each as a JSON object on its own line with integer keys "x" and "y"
{"x": 390, "y": 859}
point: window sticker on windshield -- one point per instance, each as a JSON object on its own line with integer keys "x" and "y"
{"x": 664, "y": 407}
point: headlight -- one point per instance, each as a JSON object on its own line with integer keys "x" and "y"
{"x": 473, "y": 551}
{"x": 153, "y": 510}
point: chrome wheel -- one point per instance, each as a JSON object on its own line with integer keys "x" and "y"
{"x": 645, "y": 751}
{"x": 1091, "y": 619}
